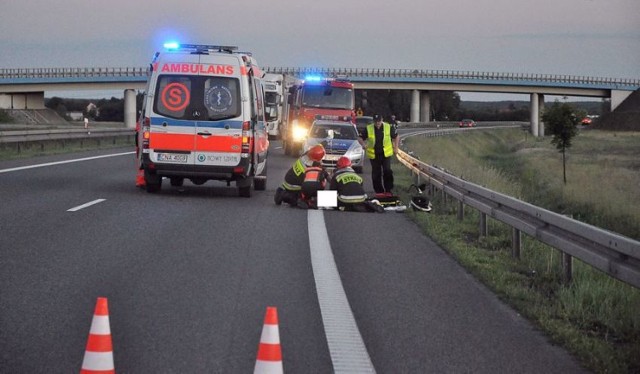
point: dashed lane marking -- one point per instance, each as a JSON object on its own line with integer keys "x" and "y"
{"x": 63, "y": 162}
{"x": 85, "y": 205}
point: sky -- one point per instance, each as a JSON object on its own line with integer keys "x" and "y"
{"x": 598, "y": 38}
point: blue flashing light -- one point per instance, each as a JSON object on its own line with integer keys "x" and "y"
{"x": 313, "y": 78}
{"x": 171, "y": 45}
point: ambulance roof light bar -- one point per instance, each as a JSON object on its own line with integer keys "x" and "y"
{"x": 199, "y": 48}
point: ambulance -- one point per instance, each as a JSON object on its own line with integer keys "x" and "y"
{"x": 203, "y": 118}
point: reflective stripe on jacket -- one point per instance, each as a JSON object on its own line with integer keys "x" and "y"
{"x": 295, "y": 175}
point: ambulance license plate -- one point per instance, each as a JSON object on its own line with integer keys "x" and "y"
{"x": 172, "y": 157}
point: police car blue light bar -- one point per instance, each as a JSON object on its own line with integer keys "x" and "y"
{"x": 313, "y": 78}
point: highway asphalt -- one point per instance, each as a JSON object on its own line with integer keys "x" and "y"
{"x": 189, "y": 272}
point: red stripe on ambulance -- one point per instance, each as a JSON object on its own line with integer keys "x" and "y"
{"x": 186, "y": 142}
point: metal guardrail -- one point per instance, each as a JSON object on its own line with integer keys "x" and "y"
{"x": 612, "y": 253}
{"x": 143, "y": 72}
{"x": 25, "y": 136}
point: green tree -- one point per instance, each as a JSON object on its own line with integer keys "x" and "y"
{"x": 562, "y": 123}
{"x": 444, "y": 105}
{"x": 54, "y": 102}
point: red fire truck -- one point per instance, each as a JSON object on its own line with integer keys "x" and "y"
{"x": 312, "y": 99}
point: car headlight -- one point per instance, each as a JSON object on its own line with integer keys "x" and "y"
{"x": 354, "y": 151}
{"x": 299, "y": 133}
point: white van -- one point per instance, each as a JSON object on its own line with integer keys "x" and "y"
{"x": 203, "y": 119}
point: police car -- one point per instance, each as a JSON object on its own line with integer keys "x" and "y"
{"x": 203, "y": 119}
{"x": 339, "y": 139}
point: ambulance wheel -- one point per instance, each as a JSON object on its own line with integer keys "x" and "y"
{"x": 260, "y": 181}
{"x": 177, "y": 181}
{"x": 260, "y": 184}
{"x": 244, "y": 191}
{"x": 152, "y": 181}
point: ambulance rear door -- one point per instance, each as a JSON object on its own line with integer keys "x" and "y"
{"x": 260, "y": 134}
{"x": 219, "y": 112}
{"x": 172, "y": 127}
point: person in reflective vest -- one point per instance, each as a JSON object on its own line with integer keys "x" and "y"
{"x": 350, "y": 189}
{"x": 315, "y": 179}
{"x": 380, "y": 141}
{"x": 290, "y": 189}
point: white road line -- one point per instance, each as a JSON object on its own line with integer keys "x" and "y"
{"x": 346, "y": 347}
{"x": 85, "y": 205}
{"x": 63, "y": 162}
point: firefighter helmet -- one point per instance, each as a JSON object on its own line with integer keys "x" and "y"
{"x": 316, "y": 153}
{"x": 421, "y": 203}
{"x": 343, "y": 162}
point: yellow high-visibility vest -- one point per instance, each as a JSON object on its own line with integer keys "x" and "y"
{"x": 387, "y": 145}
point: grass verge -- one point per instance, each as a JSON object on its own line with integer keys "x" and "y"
{"x": 595, "y": 317}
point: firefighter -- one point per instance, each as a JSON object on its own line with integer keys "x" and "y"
{"x": 290, "y": 190}
{"x": 315, "y": 179}
{"x": 349, "y": 185}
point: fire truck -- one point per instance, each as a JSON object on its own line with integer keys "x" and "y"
{"x": 310, "y": 99}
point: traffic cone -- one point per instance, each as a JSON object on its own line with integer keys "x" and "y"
{"x": 98, "y": 357}
{"x": 140, "y": 178}
{"x": 269, "y": 359}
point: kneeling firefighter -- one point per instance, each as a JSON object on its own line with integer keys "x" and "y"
{"x": 315, "y": 179}
{"x": 289, "y": 191}
{"x": 349, "y": 185}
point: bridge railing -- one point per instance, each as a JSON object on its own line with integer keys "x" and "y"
{"x": 348, "y": 72}
{"x": 614, "y": 254}
{"x": 74, "y": 72}
{"x": 451, "y": 74}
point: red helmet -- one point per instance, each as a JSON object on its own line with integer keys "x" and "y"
{"x": 316, "y": 153}
{"x": 343, "y": 162}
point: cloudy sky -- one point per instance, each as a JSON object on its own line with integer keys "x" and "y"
{"x": 598, "y": 38}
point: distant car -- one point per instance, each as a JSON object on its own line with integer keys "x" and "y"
{"x": 362, "y": 122}
{"x": 467, "y": 123}
{"x": 586, "y": 121}
{"x": 339, "y": 139}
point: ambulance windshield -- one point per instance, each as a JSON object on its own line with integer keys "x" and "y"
{"x": 195, "y": 97}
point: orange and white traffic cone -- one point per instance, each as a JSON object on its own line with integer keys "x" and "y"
{"x": 269, "y": 359}
{"x": 98, "y": 357}
{"x": 140, "y": 178}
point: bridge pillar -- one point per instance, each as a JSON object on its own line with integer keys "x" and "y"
{"x": 415, "y": 106}
{"x": 22, "y": 100}
{"x": 535, "y": 114}
{"x": 130, "y": 108}
{"x": 617, "y": 97}
{"x": 540, "y": 111}
{"x": 425, "y": 106}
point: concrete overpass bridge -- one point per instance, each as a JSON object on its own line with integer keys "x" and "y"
{"x": 25, "y": 88}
